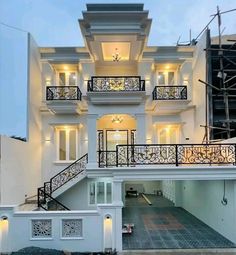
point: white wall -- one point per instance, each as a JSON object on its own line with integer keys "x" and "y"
{"x": 168, "y": 189}
{"x": 148, "y": 187}
{"x": 21, "y": 161}
{"x": 203, "y": 200}
{"x": 77, "y": 197}
{"x": 20, "y": 175}
{"x": 18, "y": 235}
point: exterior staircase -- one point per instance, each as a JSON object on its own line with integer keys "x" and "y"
{"x": 59, "y": 183}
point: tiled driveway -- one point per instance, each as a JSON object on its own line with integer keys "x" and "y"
{"x": 167, "y": 228}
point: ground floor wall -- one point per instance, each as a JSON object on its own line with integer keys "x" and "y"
{"x": 203, "y": 200}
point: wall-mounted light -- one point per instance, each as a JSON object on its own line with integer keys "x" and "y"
{"x": 4, "y": 217}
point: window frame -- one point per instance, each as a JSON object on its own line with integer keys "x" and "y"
{"x": 67, "y": 77}
{"x": 166, "y": 77}
{"x": 67, "y": 141}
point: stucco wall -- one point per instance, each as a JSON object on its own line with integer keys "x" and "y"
{"x": 203, "y": 200}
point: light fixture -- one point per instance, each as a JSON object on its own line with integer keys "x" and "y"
{"x": 4, "y": 217}
{"x": 117, "y": 119}
{"x": 116, "y": 56}
{"x": 65, "y": 67}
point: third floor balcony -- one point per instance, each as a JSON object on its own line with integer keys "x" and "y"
{"x": 116, "y": 89}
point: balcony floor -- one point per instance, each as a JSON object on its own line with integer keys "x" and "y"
{"x": 163, "y": 226}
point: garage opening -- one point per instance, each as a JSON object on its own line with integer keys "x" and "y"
{"x": 178, "y": 215}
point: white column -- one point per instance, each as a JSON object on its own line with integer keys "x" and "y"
{"x": 141, "y": 128}
{"x": 117, "y": 202}
{"x": 92, "y": 140}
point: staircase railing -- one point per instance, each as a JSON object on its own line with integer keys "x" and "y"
{"x": 57, "y": 181}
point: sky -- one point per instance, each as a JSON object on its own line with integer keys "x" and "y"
{"x": 55, "y": 23}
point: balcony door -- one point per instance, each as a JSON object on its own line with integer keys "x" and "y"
{"x": 116, "y": 137}
{"x": 166, "y": 78}
{"x": 67, "y": 78}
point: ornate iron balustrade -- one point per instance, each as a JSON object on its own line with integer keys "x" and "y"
{"x": 44, "y": 200}
{"x": 106, "y": 158}
{"x": 63, "y": 93}
{"x": 173, "y": 154}
{"x": 116, "y": 83}
{"x": 69, "y": 173}
{"x": 169, "y": 93}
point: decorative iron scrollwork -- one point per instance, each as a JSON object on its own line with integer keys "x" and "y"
{"x": 175, "y": 154}
{"x": 116, "y": 83}
{"x": 170, "y": 93}
{"x": 45, "y": 200}
{"x": 63, "y": 93}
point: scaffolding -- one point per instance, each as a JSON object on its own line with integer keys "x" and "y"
{"x": 220, "y": 85}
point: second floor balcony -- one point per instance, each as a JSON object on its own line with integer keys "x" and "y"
{"x": 116, "y": 89}
{"x": 63, "y": 99}
{"x": 168, "y": 154}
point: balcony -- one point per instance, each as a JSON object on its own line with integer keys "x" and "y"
{"x": 170, "y": 93}
{"x": 116, "y": 89}
{"x": 169, "y": 154}
{"x": 170, "y": 99}
{"x": 63, "y": 99}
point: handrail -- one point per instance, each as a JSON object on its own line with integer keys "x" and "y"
{"x": 171, "y": 92}
{"x": 115, "y": 83}
{"x": 59, "y": 180}
{"x": 176, "y": 154}
{"x": 72, "y": 174}
{"x": 47, "y": 198}
{"x": 63, "y": 93}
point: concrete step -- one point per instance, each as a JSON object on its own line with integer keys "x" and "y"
{"x": 28, "y": 207}
{"x": 180, "y": 252}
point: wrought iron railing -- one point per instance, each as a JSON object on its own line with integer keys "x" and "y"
{"x": 63, "y": 93}
{"x": 169, "y": 154}
{"x": 44, "y": 201}
{"x": 116, "y": 83}
{"x": 106, "y": 158}
{"x": 72, "y": 171}
{"x": 169, "y": 93}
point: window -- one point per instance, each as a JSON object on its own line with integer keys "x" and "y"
{"x": 67, "y": 78}
{"x": 67, "y": 144}
{"x": 166, "y": 78}
{"x": 168, "y": 134}
{"x": 100, "y": 192}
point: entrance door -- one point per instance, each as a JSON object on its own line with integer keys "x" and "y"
{"x": 115, "y": 137}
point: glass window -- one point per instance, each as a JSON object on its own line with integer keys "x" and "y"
{"x": 62, "y": 145}
{"x": 100, "y": 192}
{"x": 171, "y": 78}
{"x": 92, "y": 193}
{"x": 62, "y": 79}
{"x": 163, "y": 139}
{"x": 109, "y": 193}
{"x": 72, "y": 79}
{"x": 161, "y": 78}
{"x": 67, "y": 144}
{"x": 72, "y": 144}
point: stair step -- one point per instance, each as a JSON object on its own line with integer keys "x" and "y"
{"x": 28, "y": 207}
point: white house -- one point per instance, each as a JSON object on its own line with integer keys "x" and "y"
{"x": 112, "y": 125}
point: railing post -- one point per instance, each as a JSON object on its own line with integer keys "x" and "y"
{"x": 176, "y": 155}
{"x": 234, "y": 154}
{"x": 116, "y": 155}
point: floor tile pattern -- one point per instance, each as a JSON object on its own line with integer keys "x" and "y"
{"x": 168, "y": 228}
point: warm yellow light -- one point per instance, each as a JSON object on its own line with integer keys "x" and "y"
{"x": 65, "y": 67}
{"x": 4, "y": 226}
{"x": 167, "y": 67}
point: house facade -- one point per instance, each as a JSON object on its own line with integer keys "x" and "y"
{"x": 112, "y": 119}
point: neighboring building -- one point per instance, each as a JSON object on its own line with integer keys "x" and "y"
{"x": 106, "y": 123}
